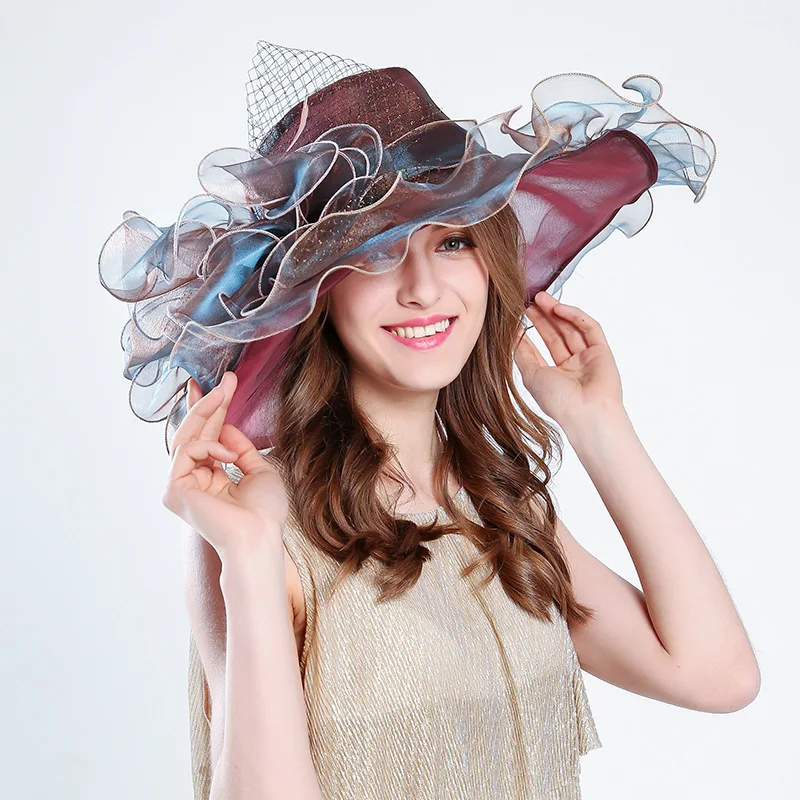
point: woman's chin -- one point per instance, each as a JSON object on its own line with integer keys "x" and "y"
{"x": 426, "y": 378}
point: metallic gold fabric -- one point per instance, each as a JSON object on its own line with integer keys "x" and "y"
{"x": 442, "y": 693}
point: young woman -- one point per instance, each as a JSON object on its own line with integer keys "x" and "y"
{"x": 497, "y": 703}
{"x": 383, "y": 601}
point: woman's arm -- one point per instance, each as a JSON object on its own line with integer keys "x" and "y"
{"x": 265, "y": 750}
{"x": 682, "y": 640}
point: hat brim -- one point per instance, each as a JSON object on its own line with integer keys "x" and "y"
{"x": 226, "y": 286}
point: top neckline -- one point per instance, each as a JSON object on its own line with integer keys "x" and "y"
{"x": 429, "y": 514}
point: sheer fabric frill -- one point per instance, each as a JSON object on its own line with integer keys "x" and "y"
{"x": 225, "y": 286}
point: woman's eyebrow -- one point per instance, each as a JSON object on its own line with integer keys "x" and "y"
{"x": 452, "y": 231}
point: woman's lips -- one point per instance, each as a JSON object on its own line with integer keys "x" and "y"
{"x": 426, "y": 342}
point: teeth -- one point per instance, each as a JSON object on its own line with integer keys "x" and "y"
{"x": 419, "y": 332}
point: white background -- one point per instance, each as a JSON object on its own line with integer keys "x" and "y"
{"x": 110, "y": 106}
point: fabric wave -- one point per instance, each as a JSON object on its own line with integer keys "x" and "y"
{"x": 225, "y": 285}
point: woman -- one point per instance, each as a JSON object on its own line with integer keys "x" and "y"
{"x": 384, "y": 603}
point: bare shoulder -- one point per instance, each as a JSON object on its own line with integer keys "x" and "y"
{"x": 297, "y": 602}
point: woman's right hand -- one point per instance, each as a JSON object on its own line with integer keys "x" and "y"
{"x": 226, "y": 514}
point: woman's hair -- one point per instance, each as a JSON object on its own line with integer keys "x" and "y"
{"x": 333, "y": 458}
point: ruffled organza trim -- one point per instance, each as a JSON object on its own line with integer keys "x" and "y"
{"x": 226, "y": 284}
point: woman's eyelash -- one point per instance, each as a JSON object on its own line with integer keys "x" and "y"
{"x": 458, "y": 238}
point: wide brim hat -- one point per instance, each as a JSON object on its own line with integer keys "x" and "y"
{"x": 344, "y": 164}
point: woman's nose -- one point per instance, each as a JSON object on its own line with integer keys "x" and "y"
{"x": 418, "y": 277}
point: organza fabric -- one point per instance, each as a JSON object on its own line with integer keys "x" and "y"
{"x": 339, "y": 182}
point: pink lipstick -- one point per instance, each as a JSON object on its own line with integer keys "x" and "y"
{"x": 426, "y": 342}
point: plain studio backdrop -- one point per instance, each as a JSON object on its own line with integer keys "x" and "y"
{"x": 109, "y": 106}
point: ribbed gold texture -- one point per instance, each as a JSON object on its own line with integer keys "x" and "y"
{"x": 444, "y": 692}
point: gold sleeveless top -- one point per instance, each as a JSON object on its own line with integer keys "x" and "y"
{"x": 444, "y": 692}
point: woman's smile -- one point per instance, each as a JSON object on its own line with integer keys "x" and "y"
{"x": 421, "y": 339}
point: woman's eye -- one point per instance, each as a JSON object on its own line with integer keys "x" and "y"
{"x": 465, "y": 240}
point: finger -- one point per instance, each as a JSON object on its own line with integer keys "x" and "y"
{"x": 194, "y": 392}
{"x": 571, "y": 335}
{"x": 213, "y": 422}
{"x": 528, "y": 358}
{"x": 213, "y": 426}
{"x": 198, "y": 415}
{"x": 189, "y": 456}
{"x": 246, "y": 456}
{"x": 550, "y": 334}
{"x": 189, "y": 470}
{"x": 590, "y": 328}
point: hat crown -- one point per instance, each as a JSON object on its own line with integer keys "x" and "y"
{"x": 282, "y": 79}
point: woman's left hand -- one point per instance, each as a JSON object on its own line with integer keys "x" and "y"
{"x": 585, "y": 376}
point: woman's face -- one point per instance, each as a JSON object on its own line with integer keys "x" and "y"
{"x": 443, "y": 277}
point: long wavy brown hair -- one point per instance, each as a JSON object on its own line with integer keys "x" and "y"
{"x": 332, "y": 457}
